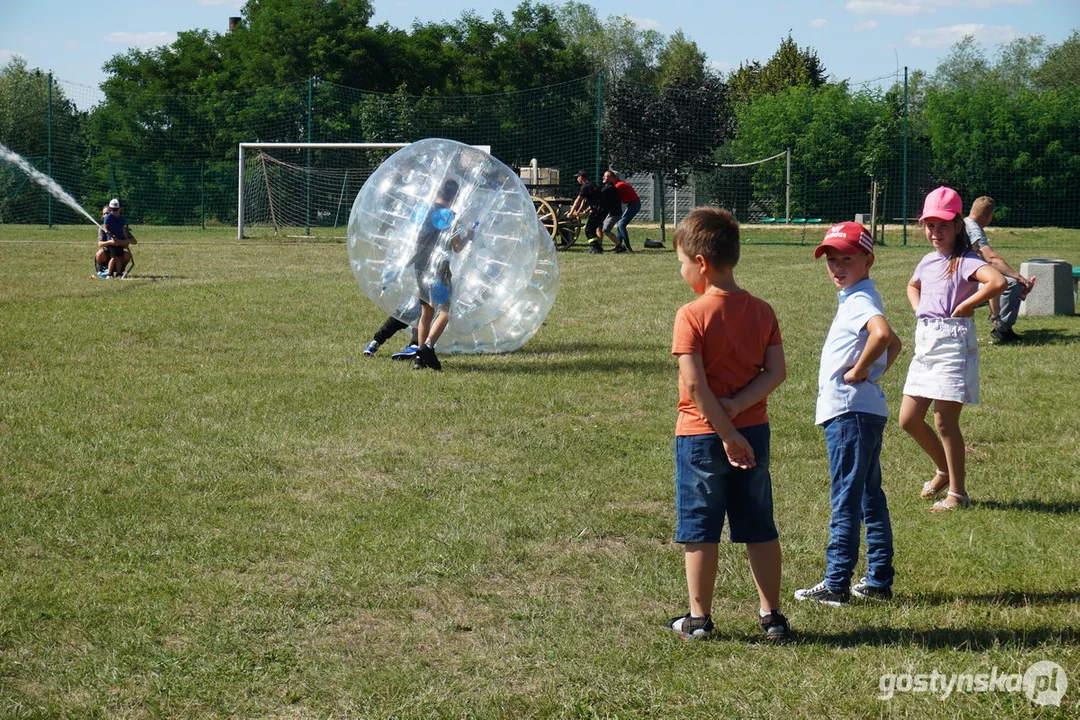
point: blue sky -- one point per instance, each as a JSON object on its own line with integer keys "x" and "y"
{"x": 855, "y": 39}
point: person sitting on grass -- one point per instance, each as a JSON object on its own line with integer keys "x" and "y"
{"x": 1004, "y": 310}
{"x": 113, "y": 241}
{"x": 730, "y": 358}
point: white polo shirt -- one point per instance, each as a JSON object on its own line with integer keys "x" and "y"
{"x": 843, "y": 347}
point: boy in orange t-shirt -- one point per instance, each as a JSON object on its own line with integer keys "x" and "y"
{"x": 730, "y": 358}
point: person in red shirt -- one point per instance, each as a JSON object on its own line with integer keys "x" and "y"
{"x": 631, "y": 206}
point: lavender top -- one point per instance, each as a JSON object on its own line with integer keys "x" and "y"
{"x": 941, "y": 292}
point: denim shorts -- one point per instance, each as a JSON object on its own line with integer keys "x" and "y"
{"x": 707, "y": 487}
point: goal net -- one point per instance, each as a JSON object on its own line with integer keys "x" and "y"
{"x": 758, "y": 191}
{"x": 303, "y": 189}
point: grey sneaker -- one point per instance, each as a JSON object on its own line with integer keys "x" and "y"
{"x": 822, "y": 594}
{"x": 871, "y": 592}
{"x": 691, "y": 628}
{"x": 776, "y": 626}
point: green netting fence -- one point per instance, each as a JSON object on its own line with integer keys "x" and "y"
{"x": 837, "y": 151}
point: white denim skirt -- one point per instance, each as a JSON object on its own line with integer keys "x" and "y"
{"x": 946, "y": 362}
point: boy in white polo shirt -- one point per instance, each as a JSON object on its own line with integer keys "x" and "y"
{"x": 851, "y": 407}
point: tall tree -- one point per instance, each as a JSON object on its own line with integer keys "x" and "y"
{"x": 681, "y": 60}
{"x": 790, "y": 66}
{"x": 668, "y": 131}
{"x": 1061, "y": 68}
{"x": 25, "y": 115}
{"x": 616, "y": 47}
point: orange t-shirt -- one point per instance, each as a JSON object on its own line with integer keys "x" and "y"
{"x": 730, "y": 332}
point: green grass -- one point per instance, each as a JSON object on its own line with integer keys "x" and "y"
{"x": 214, "y": 506}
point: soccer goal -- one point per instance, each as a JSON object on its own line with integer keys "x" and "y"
{"x": 297, "y": 189}
{"x": 756, "y": 187}
{"x": 304, "y": 189}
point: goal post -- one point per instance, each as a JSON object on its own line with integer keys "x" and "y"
{"x": 244, "y": 147}
{"x": 787, "y": 176}
{"x": 287, "y": 194}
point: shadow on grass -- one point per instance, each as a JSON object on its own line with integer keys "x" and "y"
{"x": 575, "y": 366}
{"x": 151, "y": 278}
{"x": 1046, "y": 337}
{"x": 1037, "y": 506}
{"x": 1007, "y": 597}
{"x": 956, "y": 639}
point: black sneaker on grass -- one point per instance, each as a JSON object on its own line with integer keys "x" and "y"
{"x": 871, "y": 592}
{"x": 776, "y": 626}
{"x": 822, "y": 594}
{"x": 691, "y": 628}
{"x": 1004, "y": 337}
{"x": 425, "y": 358}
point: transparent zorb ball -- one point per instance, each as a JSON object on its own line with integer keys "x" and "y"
{"x": 407, "y": 241}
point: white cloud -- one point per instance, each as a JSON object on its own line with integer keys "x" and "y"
{"x": 6, "y": 56}
{"x": 71, "y": 45}
{"x": 864, "y": 25}
{"x": 818, "y": 23}
{"x": 141, "y": 40}
{"x": 947, "y": 36}
{"x": 896, "y": 9}
{"x": 645, "y": 23}
{"x": 910, "y": 8}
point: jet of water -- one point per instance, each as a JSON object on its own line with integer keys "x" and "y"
{"x": 44, "y": 180}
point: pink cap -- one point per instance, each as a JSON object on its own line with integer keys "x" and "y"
{"x": 847, "y": 237}
{"x": 943, "y": 204}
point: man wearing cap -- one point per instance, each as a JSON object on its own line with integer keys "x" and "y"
{"x": 590, "y": 199}
{"x": 116, "y": 242}
{"x": 851, "y": 408}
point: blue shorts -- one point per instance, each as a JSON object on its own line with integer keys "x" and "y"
{"x": 707, "y": 487}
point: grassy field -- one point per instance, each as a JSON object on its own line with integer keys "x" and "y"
{"x": 214, "y": 506}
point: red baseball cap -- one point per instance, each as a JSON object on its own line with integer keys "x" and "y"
{"x": 943, "y": 204}
{"x": 848, "y": 237}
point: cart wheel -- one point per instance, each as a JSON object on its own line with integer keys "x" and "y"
{"x": 569, "y": 227}
{"x": 547, "y": 216}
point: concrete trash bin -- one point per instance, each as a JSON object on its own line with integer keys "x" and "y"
{"x": 1053, "y": 293}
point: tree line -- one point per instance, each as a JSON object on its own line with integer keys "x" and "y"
{"x": 558, "y": 83}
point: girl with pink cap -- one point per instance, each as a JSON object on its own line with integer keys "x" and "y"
{"x": 944, "y": 292}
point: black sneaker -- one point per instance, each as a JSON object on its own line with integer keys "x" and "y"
{"x": 871, "y": 592}
{"x": 1004, "y": 337}
{"x": 822, "y": 594}
{"x": 425, "y": 357}
{"x": 776, "y": 626}
{"x": 691, "y": 628}
{"x": 619, "y": 249}
{"x": 595, "y": 249}
{"x": 418, "y": 362}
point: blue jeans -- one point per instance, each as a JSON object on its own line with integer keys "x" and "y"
{"x": 631, "y": 209}
{"x": 708, "y": 488}
{"x": 854, "y": 442}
